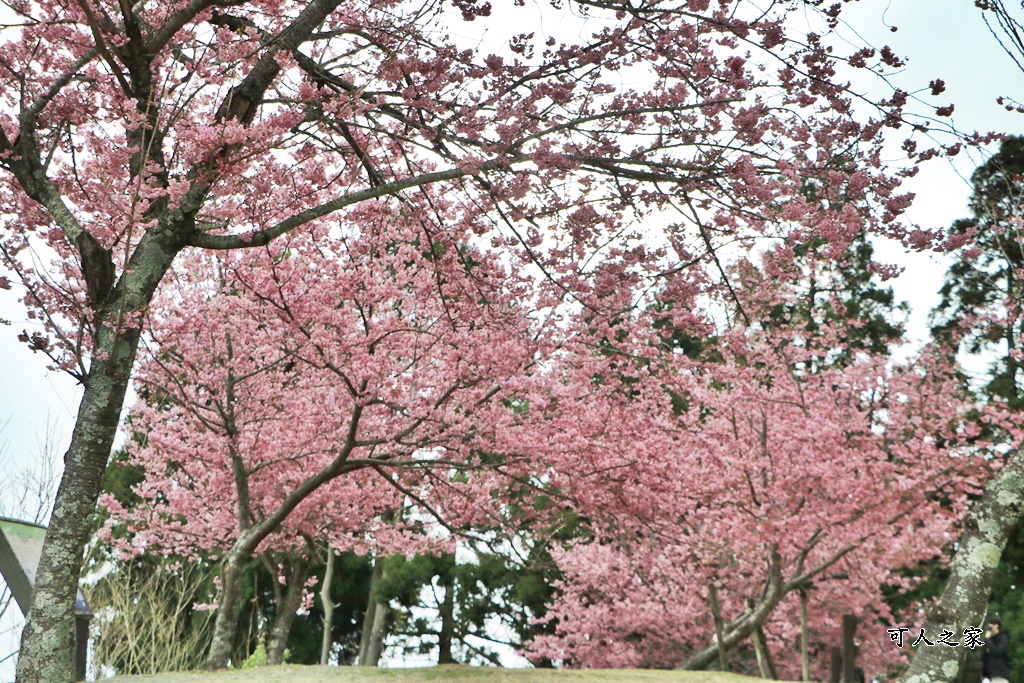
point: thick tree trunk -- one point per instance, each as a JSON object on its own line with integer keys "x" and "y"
{"x": 447, "y": 613}
{"x": 325, "y": 598}
{"x": 47, "y": 646}
{"x": 965, "y": 599}
{"x": 47, "y": 653}
{"x": 277, "y": 641}
{"x": 364, "y": 637}
{"x": 225, "y": 625}
{"x": 379, "y": 630}
{"x": 371, "y": 643}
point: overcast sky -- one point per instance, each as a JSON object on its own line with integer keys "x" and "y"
{"x": 941, "y": 38}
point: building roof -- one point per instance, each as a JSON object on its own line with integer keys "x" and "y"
{"x": 21, "y": 544}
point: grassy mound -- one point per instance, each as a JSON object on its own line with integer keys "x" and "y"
{"x": 440, "y": 674}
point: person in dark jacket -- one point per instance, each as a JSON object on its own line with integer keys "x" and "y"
{"x": 997, "y": 668}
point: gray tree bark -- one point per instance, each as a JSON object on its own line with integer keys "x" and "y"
{"x": 47, "y": 644}
{"x": 325, "y": 598}
{"x": 766, "y": 652}
{"x": 228, "y": 609}
{"x": 287, "y": 608}
{"x": 371, "y": 642}
{"x": 379, "y": 631}
{"x": 49, "y": 634}
{"x": 364, "y": 637}
{"x": 965, "y": 599}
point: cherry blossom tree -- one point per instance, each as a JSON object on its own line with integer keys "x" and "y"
{"x": 132, "y": 132}
{"x": 737, "y": 476}
{"x": 354, "y": 361}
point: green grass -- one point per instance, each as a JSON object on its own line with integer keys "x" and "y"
{"x": 461, "y": 674}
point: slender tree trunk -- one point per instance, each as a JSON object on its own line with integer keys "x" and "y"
{"x": 965, "y": 598}
{"x": 47, "y": 653}
{"x": 277, "y": 641}
{"x": 716, "y": 615}
{"x": 368, "y": 616}
{"x": 325, "y": 598}
{"x": 769, "y": 661}
{"x": 371, "y": 643}
{"x": 805, "y": 660}
{"x": 759, "y": 654}
{"x": 447, "y": 613}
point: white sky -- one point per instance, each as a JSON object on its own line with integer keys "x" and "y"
{"x": 940, "y": 38}
{"x": 944, "y": 39}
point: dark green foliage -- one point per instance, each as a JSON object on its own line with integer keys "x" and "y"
{"x": 932, "y": 575}
{"x": 350, "y": 589}
{"x": 977, "y": 287}
{"x": 492, "y": 588}
{"x": 845, "y": 295}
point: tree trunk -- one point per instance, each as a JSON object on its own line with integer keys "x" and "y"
{"x": 226, "y": 621}
{"x": 364, "y": 637}
{"x": 375, "y": 648}
{"x": 277, "y": 641}
{"x": 965, "y": 598}
{"x": 766, "y": 652}
{"x": 759, "y": 654}
{"x": 47, "y": 645}
{"x": 325, "y": 598}
{"x": 447, "y": 613}
{"x": 370, "y": 614}
{"x": 371, "y": 643}
{"x": 716, "y": 615}
{"x": 849, "y": 648}
{"x": 805, "y": 659}
{"x": 230, "y": 607}
{"x": 47, "y": 653}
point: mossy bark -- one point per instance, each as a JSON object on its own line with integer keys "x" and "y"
{"x": 47, "y": 643}
{"x": 964, "y": 601}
